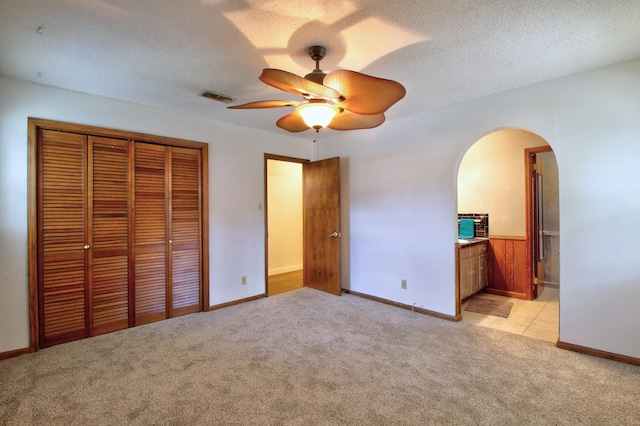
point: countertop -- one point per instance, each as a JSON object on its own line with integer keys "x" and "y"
{"x": 471, "y": 241}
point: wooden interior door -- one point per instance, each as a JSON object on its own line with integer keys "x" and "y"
{"x": 62, "y": 235}
{"x": 185, "y": 241}
{"x": 537, "y": 225}
{"x": 321, "y": 247}
{"x": 108, "y": 204}
{"x": 150, "y": 239}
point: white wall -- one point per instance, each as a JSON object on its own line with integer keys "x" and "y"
{"x": 284, "y": 200}
{"x": 491, "y": 180}
{"x": 236, "y": 187}
{"x": 400, "y": 200}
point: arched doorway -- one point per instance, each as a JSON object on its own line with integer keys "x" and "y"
{"x": 519, "y": 215}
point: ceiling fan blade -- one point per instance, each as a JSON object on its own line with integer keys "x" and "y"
{"x": 292, "y": 123}
{"x": 297, "y": 85}
{"x": 266, "y": 104}
{"x": 363, "y": 93}
{"x": 349, "y": 121}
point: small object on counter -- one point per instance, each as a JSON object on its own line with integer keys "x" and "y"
{"x": 466, "y": 229}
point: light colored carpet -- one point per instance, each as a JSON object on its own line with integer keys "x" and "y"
{"x": 309, "y": 358}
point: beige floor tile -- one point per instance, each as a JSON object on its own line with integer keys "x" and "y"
{"x": 530, "y": 310}
{"x": 537, "y": 319}
{"x": 519, "y": 320}
{"x": 541, "y": 334}
{"x": 545, "y": 325}
{"x": 510, "y": 327}
{"x": 552, "y": 308}
{"x": 553, "y": 304}
{"x": 476, "y": 318}
{"x": 549, "y": 316}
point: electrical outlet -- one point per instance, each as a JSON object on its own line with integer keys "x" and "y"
{"x": 404, "y": 284}
{"x": 243, "y": 280}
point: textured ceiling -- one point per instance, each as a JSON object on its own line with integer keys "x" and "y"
{"x": 165, "y": 52}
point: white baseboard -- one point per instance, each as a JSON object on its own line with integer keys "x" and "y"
{"x": 285, "y": 269}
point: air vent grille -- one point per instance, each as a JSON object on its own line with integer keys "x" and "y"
{"x": 217, "y": 97}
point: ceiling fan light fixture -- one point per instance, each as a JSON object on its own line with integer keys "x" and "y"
{"x": 317, "y": 114}
{"x": 340, "y": 100}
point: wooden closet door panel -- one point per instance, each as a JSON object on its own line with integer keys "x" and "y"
{"x": 150, "y": 212}
{"x": 61, "y": 237}
{"x": 185, "y": 231}
{"x": 109, "y": 187}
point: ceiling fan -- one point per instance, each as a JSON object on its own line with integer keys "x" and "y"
{"x": 340, "y": 100}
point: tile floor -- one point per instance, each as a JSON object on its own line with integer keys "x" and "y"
{"x": 533, "y": 318}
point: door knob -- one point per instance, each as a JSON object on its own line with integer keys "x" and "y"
{"x": 86, "y": 246}
{"x": 336, "y": 234}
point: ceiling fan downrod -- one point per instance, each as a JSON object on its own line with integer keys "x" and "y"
{"x": 316, "y": 53}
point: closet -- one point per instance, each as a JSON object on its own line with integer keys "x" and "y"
{"x": 119, "y": 230}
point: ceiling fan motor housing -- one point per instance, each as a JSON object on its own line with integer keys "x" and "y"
{"x": 317, "y": 53}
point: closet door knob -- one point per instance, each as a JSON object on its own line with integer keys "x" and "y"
{"x": 86, "y": 246}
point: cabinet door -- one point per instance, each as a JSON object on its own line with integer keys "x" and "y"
{"x": 109, "y": 236}
{"x": 150, "y": 236}
{"x": 474, "y": 274}
{"x": 483, "y": 272}
{"x": 465, "y": 275}
{"x": 185, "y": 239}
{"x": 62, "y": 257}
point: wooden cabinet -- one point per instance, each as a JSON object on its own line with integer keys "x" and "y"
{"x": 119, "y": 233}
{"x": 473, "y": 275}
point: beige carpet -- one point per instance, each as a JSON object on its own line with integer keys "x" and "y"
{"x": 309, "y": 358}
{"x": 483, "y": 305}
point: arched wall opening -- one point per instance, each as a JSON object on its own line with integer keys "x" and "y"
{"x": 516, "y": 213}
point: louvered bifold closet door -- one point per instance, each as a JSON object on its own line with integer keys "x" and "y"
{"x": 185, "y": 231}
{"x": 109, "y": 252}
{"x": 62, "y": 256}
{"x": 150, "y": 235}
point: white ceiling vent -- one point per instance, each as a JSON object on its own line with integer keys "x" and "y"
{"x": 217, "y": 97}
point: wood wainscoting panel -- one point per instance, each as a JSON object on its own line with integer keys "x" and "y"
{"x": 508, "y": 267}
